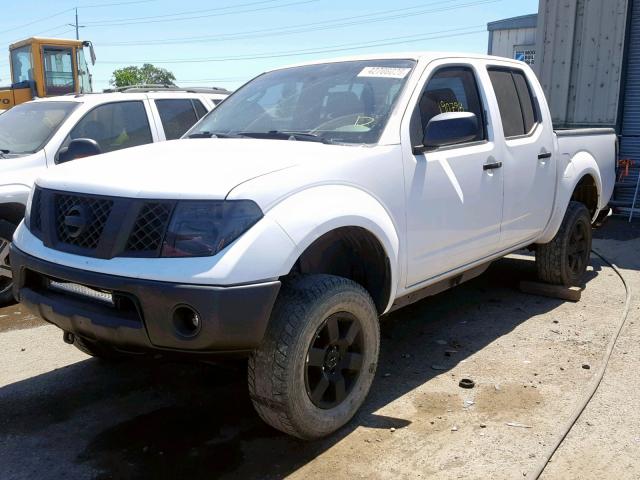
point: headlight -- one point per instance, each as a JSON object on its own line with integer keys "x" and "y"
{"x": 27, "y": 211}
{"x": 203, "y": 228}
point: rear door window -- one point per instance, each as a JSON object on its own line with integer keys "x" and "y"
{"x": 515, "y": 101}
{"x": 526, "y": 100}
{"x": 177, "y": 115}
{"x": 200, "y": 110}
{"x": 114, "y": 126}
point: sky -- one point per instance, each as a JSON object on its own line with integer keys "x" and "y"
{"x": 225, "y": 43}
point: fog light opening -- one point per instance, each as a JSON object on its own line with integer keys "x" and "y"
{"x": 186, "y": 321}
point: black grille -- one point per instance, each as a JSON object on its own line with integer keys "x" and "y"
{"x": 94, "y": 213}
{"x": 149, "y": 228}
{"x": 36, "y": 211}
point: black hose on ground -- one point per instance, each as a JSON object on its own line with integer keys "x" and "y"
{"x": 544, "y": 461}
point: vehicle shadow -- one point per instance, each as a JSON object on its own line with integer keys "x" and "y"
{"x": 168, "y": 420}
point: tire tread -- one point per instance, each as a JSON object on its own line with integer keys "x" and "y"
{"x": 550, "y": 256}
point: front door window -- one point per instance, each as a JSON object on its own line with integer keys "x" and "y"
{"x": 58, "y": 70}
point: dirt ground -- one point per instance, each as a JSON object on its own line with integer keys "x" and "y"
{"x": 65, "y": 414}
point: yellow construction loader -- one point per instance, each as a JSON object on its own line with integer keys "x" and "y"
{"x": 46, "y": 67}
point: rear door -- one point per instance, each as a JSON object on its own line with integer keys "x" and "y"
{"x": 453, "y": 202}
{"x": 526, "y": 153}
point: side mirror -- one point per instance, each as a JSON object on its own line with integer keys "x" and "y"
{"x": 79, "y": 148}
{"x": 448, "y": 129}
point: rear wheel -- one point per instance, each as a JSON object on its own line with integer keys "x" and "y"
{"x": 318, "y": 358}
{"x": 564, "y": 260}
{"x": 6, "y": 278}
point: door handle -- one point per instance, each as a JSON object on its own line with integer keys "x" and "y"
{"x": 492, "y": 165}
{"x": 544, "y": 156}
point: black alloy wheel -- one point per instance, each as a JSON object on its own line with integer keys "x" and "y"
{"x": 334, "y": 360}
{"x": 578, "y": 249}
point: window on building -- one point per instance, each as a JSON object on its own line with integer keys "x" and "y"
{"x": 114, "y": 126}
{"x": 515, "y": 101}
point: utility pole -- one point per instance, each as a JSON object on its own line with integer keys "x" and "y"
{"x": 76, "y": 25}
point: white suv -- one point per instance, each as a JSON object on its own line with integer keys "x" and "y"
{"x": 40, "y": 134}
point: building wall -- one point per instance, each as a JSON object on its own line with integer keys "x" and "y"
{"x": 580, "y": 59}
{"x": 504, "y": 42}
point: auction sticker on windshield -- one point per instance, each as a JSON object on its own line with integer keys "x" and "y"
{"x": 384, "y": 72}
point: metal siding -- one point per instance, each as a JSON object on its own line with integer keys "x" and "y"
{"x": 579, "y": 59}
{"x": 631, "y": 115}
{"x": 630, "y": 140}
{"x": 503, "y": 41}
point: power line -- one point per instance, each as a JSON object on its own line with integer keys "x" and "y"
{"x": 62, "y": 12}
{"x": 36, "y": 21}
{"x": 334, "y": 48}
{"x": 190, "y": 12}
{"x": 381, "y": 16}
{"x": 100, "y": 5}
{"x": 197, "y": 17}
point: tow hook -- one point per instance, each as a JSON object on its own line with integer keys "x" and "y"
{"x": 68, "y": 337}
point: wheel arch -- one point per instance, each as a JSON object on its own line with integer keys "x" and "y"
{"x": 353, "y": 253}
{"x": 12, "y": 212}
{"x": 346, "y": 232}
{"x": 580, "y": 181}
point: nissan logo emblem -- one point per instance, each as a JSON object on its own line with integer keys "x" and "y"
{"x": 76, "y": 221}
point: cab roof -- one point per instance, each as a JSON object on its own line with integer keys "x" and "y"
{"x": 98, "y": 98}
{"x": 47, "y": 41}
{"x": 418, "y": 56}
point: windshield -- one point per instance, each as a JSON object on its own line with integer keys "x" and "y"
{"x": 346, "y": 102}
{"x": 28, "y": 127}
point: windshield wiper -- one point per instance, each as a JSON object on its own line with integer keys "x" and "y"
{"x": 206, "y": 134}
{"x": 288, "y": 135}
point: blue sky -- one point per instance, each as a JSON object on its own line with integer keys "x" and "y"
{"x": 239, "y": 39}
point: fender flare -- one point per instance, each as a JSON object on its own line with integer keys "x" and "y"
{"x": 309, "y": 214}
{"x": 15, "y": 193}
{"x": 576, "y": 168}
{"x": 14, "y": 201}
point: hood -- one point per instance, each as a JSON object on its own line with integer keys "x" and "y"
{"x": 179, "y": 169}
{"x": 21, "y": 170}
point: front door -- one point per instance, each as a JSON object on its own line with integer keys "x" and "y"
{"x": 454, "y": 201}
{"x": 59, "y": 77}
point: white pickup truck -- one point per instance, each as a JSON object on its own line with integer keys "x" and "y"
{"x": 312, "y": 201}
{"x": 37, "y": 135}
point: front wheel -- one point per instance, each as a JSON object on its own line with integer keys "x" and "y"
{"x": 564, "y": 260}
{"x": 318, "y": 358}
{"x": 6, "y": 278}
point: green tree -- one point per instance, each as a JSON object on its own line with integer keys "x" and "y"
{"x": 146, "y": 75}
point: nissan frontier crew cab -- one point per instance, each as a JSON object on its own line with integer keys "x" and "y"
{"x": 312, "y": 201}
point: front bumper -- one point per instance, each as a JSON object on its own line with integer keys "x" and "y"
{"x": 141, "y": 314}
